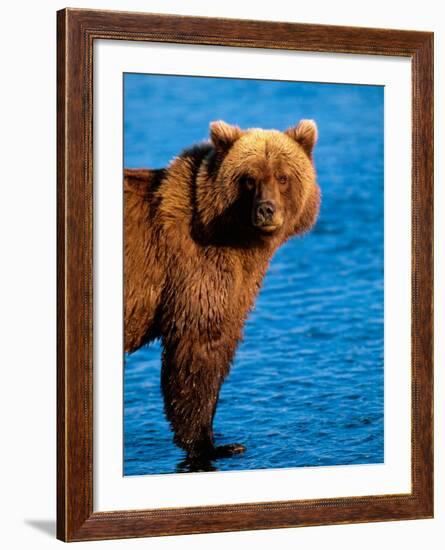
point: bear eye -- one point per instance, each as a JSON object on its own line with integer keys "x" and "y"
{"x": 249, "y": 182}
{"x": 282, "y": 179}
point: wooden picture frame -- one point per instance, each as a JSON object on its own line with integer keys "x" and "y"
{"x": 76, "y": 32}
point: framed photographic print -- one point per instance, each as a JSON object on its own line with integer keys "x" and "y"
{"x": 245, "y": 228}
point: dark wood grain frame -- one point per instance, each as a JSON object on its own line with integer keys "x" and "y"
{"x": 76, "y": 32}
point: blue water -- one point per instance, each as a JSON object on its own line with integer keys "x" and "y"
{"x": 306, "y": 386}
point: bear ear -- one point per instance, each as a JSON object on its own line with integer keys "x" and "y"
{"x": 305, "y": 133}
{"x": 224, "y": 135}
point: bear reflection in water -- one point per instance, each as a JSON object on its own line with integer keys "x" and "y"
{"x": 199, "y": 236}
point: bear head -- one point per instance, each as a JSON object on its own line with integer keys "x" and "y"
{"x": 263, "y": 182}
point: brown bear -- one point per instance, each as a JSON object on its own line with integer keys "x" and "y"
{"x": 199, "y": 235}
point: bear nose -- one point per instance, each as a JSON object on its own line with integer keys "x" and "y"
{"x": 265, "y": 211}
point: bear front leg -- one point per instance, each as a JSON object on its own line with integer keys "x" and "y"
{"x": 191, "y": 380}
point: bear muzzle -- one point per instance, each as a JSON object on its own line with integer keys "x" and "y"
{"x": 265, "y": 216}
